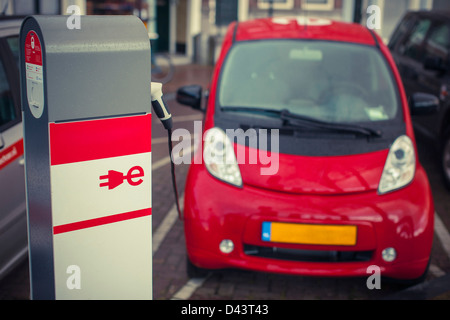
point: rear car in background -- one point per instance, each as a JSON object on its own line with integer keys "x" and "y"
{"x": 13, "y": 220}
{"x": 420, "y": 46}
{"x": 344, "y": 189}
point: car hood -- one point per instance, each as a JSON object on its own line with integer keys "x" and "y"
{"x": 313, "y": 175}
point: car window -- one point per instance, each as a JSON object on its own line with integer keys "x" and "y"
{"x": 412, "y": 45}
{"x": 330, "y": 81}
{"x": 401, "y": 30}
{"x": 7, "y": 110}
{"x": 13, "y": 43}
{"x": 438, "y": 43}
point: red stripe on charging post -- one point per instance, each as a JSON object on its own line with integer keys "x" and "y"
{"x": 98, "y": 139}
{"x": 101, "y": 221}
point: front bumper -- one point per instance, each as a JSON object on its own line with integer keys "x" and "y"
{"x": 215, "y": 211}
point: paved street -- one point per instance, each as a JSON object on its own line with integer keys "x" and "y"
{"x": 169, "y": 273}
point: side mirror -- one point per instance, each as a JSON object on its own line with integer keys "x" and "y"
{"x": 423, "y": 104}
{"x": 191, "y": 96}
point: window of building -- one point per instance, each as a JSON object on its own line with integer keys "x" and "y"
{"x": 319, "y": 5}
{"x": 226, "y": 12}
{"x": 277, "y": 4}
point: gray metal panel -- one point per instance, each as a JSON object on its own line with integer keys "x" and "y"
{"x": 78, "y": 67}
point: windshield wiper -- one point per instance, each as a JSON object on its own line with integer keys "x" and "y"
{"x": 307, "y": 122}
{"x": 252, "y": 110}
{"x": 299, "y": 120}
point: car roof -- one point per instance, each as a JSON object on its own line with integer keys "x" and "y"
{"x": 303, "y": 28}
{"x": 442, "y": 14}
{"x": 10, "y": 25}
{"x": 11, "y": 20}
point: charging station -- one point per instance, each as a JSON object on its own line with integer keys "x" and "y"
{"x": 86, "y": 104}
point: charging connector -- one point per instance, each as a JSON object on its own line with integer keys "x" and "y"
{"x": 163, "y": 113}
{"x": 161, "y": 110}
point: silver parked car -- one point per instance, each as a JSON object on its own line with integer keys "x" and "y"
{"x": 13, "y": 220}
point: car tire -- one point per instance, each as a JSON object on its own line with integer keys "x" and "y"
{"x": 193, "y": 271}
{"x": 445, "y": 158}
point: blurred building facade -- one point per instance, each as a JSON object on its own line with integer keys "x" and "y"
{"x": 194, "y": 28}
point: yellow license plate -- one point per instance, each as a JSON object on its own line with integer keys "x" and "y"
{"x": 309, "y": 234}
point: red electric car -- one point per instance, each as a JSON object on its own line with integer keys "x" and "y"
{"x": 308, "y": 163}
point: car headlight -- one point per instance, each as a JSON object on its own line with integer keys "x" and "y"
{"x": 219, "y": 157}
{"x": 400, "y": 166}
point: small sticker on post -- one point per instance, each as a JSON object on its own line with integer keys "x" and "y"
{"x": 34, "y": 74}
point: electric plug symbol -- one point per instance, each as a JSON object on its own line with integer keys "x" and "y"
{"x": 115, "y": 178}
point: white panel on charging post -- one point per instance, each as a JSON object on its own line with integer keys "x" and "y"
{"x": 101, "y": 205}
{"x": 87, "y": 130}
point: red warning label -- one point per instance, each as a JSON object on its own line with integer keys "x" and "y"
{"x": 35, "y": 74}
{"x": 33, "y": 49}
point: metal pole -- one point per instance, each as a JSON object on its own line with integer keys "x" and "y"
{"x": 357, "y": 16}
{"x": 138, "y": 6}
{"x": 37, "y": 6}
{"x": 270, "y": 8}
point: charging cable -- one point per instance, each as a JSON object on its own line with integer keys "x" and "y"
{"x": 163, "y": 113}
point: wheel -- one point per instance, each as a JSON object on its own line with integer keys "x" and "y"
{"x": 163, "y": 69}
{"x": 445, "y": 158}
{"x": 193, "y": 271}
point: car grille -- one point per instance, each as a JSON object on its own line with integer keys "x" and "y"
{"x": 307, "y": 255}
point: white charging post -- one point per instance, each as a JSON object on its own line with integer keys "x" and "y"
{"x": 86, "y": 105}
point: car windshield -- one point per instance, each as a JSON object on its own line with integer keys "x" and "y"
{"x": 329, "y": 81}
